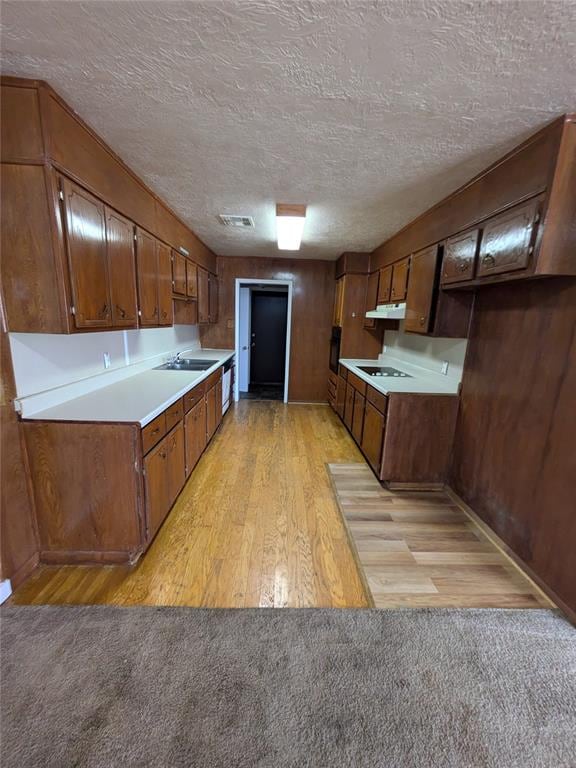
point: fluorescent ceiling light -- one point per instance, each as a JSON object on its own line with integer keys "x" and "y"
{"x": 290, "y": 226}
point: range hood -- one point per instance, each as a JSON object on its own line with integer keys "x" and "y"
{"x": 388, "y": 312}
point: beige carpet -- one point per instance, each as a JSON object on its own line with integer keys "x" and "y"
{"x": 102, "y": 686}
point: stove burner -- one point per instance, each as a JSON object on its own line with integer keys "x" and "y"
{"x": 374, "y": 370}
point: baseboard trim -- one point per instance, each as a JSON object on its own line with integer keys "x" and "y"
{"x": 509, "y": 553}
{"x": 21, "y": 574}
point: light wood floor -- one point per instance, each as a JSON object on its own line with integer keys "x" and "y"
{"x": 422, "y": 549}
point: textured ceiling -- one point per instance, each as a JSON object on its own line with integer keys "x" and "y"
{"x": 369, "y": 112}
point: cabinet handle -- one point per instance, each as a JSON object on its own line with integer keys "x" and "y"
{"x": 489, "y": 259}
{"x": 155, "y": 431}
{"x": 162, "y": 455}
{"x": 422, "y": 320}
{"x": 164, "y": 313}
{"x": 463, "y": 266}
{"x": 104, "y": 311}
{"x": 121, "y": 311}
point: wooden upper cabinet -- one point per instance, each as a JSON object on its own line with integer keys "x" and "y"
{"x": 339, "y": 303}
{"x": 385, "y": 285}
{"x": 121, "y": 269}
{"x": 203, "y": 297}
{"x": 165, "y": 307}
{"x": 371, "y": 298}
{"x": 212, "y": 298}
{"x": 178, "y": 273}
{"x": 460, "y": 257}
{"x": 191, "y": 279}
{"x": 507, "y": 240}
{"x": 399, "y": 286}
{"x": 421, "y": 288}
{"x": 147, "y": 261}
{"x": 85, "y": 222}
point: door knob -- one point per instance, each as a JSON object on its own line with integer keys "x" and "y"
{"x": 253, "y": 344}
{"x": 244, "y": 348}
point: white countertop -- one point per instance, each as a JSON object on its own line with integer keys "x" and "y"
{"x": 136, "y": 399}
{"x": 422, "y": 381}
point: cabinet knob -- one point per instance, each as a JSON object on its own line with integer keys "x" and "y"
{"x": 488, "y": 259}
{"x": 463, "y": 266}
{"x": 121, "y": 311}
{"x": 422, "y": 320}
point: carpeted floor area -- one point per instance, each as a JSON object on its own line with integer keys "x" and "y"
{"x": 104, "y": 686}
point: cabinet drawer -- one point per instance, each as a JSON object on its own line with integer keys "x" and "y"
{"x": 332, "y": 378}
{"x": 153, "y": 432}
{"x": 174, "y": 414}
{"x": 378, "y": 399}
{"x": 343, "y": 372}
{"x": 194, "y": 396}
{"x": 357, "y": 383}
{"x": 212, "y": 379}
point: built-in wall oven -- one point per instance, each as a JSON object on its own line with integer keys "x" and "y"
{"x": 335, "y": 348}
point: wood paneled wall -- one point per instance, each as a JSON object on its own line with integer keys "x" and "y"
{"x": 514, "y": 457}
{"x": 312, "y": 306}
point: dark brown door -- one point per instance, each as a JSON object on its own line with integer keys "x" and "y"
{"x": 460, "y": 257}
{"x": 157, "y": 491}
{"x": 147, "y": 263}
{"x": 121, "y": 269}
{"x": 506, "y": 241}
{"x": 211, "y": 422}
{"x": 371, "y": 298}
{"x": 175, "y": 459}
{"x": 213, "y": 298}
{"x": 384, "y": 285}
{"x": 178, "y": 273}
{"x": 165, "y": 306}
{"x": 399, "y": 286}
{"x": 358, "y": 417}
{"x": 269, "y": 317}
{"x": 340, "y": 396}
{"x": 195, "y": 434}
{"x": 85, "y": 222}
{"x": 191, "y": 280}
{"x": 421, "y": 290}
{"x": 203, "y": 297}
{"x": 349, "y": 406}
{"x": 373, "y": 436}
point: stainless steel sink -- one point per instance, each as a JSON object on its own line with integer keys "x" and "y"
{"x": 185, "y": 364}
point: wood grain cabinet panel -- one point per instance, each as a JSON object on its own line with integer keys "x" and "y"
{"x": 157, "y": 490}
{"x": 147, "y": 261}
{"x": 21, "y": 130}
{"x": 373, "y": 436}
{"x": 341, "y": 396}
{"x": 191, "y": 280}
{"x": 460, "y": 257}
{"x": 179, "y": 269}
{"x": 419, "y": 299}
{"x": 85, "y": 223}
{"x": 121, "y": 269}
{"x": 507, "y": 241}
{"x": 371, "y": 299}
{"x": 358, "y": 417}
{"x": 211, "y": 416}
{"x": 399, "y": 286}
{"x": 218, "y": 402}
{"x": 212, "y": 298}
{"x": 349, "y": 406}
{"x": 165, "y": 306}
{"x": 153, "y": 432}
{"x": 174, "y": 414}
{"x": 176, "y": 461}
{"x": 339, "y": 303}
{"x": 195, "y": 434}
{"x": 385, "y": 285}
{"x": 203, "y": 297}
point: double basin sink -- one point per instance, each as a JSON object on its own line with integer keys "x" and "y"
{"x": 186, "y": 364}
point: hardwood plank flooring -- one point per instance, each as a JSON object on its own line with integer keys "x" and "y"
{"x": 256, "y": 525}
{"x": 423, "y": 550}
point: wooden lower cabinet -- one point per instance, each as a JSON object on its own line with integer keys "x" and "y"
{"x": 349, "y": 406}
{"x": 340, "y": 396}
{"x": 373, "y": 436}
{"x": 164, "y": 475}
{"x": 358, "y": 417}
{"x": 195, "y": 431}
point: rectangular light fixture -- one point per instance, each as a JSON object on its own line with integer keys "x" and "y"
{"x": 289, "y": 226}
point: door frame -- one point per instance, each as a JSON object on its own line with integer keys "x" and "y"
{"x": 251, "y": 281}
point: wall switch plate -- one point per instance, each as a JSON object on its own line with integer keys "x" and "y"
{"x": 445, "y": 367}
{"x": 106, "y": 360}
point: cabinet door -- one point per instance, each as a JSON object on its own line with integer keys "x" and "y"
{"x": 349, "y": 406}
{"x": 339, "y": 303}
{"x": 85, "y": 218}
{"x": 340, "y": 396}
{"x": 373, "y": 436}
{"x": 195, "y": 428}
{"x": 399, "y": 286}
{"x": 175, "y": 460}
{"x": 147, "y": 264}
{"x": 358, "y": 417}
{"x": 179, "y": 282}
{"x": 165, "y": 306}
{"x": 219, "y": 401}
{"x": 121, "y": 269}
{"x": 213, "y": 298}
{"x": 191, "y": 280}
{"x": 460, "y": 257}
{"x": 211, "y": 422}
{"x": 371, "y": 299}
{"x": 506, "y": 241}
{"x": 421, "y": 291}
{"x": 384, "y": 285}
{"x": 157, "y": 490}
{"x": 203, "y": 297}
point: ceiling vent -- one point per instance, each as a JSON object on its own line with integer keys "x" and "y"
{"x": 247, "y": 222}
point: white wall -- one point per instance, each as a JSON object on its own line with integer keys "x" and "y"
{"x": 44, "y": 361}
{"x": 425, "y": 351}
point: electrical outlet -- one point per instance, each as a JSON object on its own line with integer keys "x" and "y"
{"x": 106, "y": 360}
{"x": 445, "y": 367}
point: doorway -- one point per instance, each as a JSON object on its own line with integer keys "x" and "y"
{"x": 263, "y": 319}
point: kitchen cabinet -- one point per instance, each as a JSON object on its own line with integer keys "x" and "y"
{"x": 191, "y": 280}
{"x": 421, "y": 290}
{"x": 211, "y": 412}
{"x": 339, "y": 303}
{"x": 371, "y": 299}
{"x": 203, "y": 296}
{"x": 164, "y": 477}
{"x": 212, "y": 298}
{"x": 340, "y": 396}
{"x": 175, "y": 461}
{"x": 358, "y": 417}
{"x": 85, "y": 224}
{"x": 349, "y": 406}
{"x": 400, "y": 272}
{"x": 507, "y": 240}
{"x": 121, "y": 269}
{"x": 332, "y": 387}
{"x": 179, "y": 273}
{"x": 373, "y": 435}
{"x": 218, "y": 402}
{"x": 165, "y": 306}
{"x": 147, "y": 263}
{"x": 459, "y": 259}
{"x": 195, "y": 432}
{"x": 384, "y": 285}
